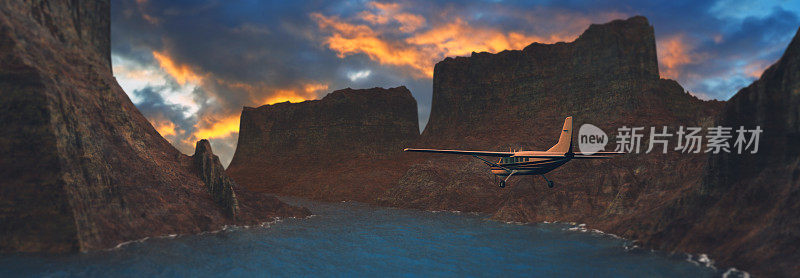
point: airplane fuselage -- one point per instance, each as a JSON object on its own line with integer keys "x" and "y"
{"x": 528, "y": 165}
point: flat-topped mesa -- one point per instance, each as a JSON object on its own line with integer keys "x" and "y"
{"x": 82, "y": 168}
{"x": 282, "y": 143}
{"x": 611, "y": 70}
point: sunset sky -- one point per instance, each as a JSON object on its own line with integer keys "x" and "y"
{"x": 190, "y": 66}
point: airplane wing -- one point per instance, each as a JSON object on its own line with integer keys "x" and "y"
{"x": 602, "y": 153}
{"x": 478, "y": 153}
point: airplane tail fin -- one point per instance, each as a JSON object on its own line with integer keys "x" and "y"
{"x": 564, "y": 144}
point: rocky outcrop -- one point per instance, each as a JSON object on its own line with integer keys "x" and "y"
{"x": 82, "y": 169}
{"x": 218, "y": 184}
{"x": 746, "y": 213}
{"x": 333, "y": 148}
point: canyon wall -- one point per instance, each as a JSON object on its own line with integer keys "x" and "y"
{"x": 519, "y": 98}
{"x": 746, "y": 211}
{"x": 82, "y": 169}
{"x": 344, "y": 146}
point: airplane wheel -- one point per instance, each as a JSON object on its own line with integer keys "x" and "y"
{"x": 502, "y": 183}
{"x": 550, "y": 184}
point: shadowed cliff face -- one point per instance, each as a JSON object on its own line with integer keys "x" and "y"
{"x": 219, "y": 185}
{"x": 82, "y": 169}
{"x": 747, "y": 211}
{"x": 333, "y": 148}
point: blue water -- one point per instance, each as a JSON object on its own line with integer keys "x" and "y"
{"x": 348, "y": 239}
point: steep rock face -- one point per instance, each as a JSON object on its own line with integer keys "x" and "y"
{"x": 513, "y": 99}
{"x": 218, "y": 184}
{"x": 82, "y": 169}
{"x": 747, "y": 211}
{"x": 519, "y": 98}
{"x": 328, "y": 148}
{"x": 609, "y": 73}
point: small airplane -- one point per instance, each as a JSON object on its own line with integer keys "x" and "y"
{"x": 521, "y": 163}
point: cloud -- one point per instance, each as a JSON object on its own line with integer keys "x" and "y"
{"x": 213, "y": 127}
{"x": 356, "y": 75}
{"x": 168, "y": 119}
{"x": 181, "y": 73}
{"x": 719, "y": 62}
{"x": 674, "y": 53}
{"x": 412, "y": 47}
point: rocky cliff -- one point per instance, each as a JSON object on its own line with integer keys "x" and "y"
{"x": 518, "y": 99}
{"x": 82, "y": 169}
{"x": 746, "y": 212}
{"x": 339, "y": 147}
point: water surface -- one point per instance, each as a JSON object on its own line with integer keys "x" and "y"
{"x": 350, "y": 239}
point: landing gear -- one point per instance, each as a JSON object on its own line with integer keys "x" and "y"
{"x": 549, "y": 182}
{"x": 503, "y": 181}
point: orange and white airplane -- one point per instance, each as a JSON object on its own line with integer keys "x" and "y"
{"x": 522, "y": 163}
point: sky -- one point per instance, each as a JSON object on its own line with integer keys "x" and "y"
{"x": 190, "y": 66}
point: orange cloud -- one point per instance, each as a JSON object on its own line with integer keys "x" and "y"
{"x": 756, "y": 68}
{"x": 221, "y": 126}
{"x": 673, "y": 54}
{"x": 349, "y": 39}
{"x": 417, "y": 51}
{"x": 181, "y": 73}
{"x": 385, "y": 7}
{"x": 385, "y": 12}
{"x": 409, "y": 22}
{"x": 307, "y": 92}
{"x": 218, "y": 128}
{"x": 283, "y": 96}
{"x": 458, "y": 38}
{"x": 165, "y": 128}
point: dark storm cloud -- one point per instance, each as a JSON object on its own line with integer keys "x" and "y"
{"x": 151, "y": 103}
{"x": 169, "y": 119}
